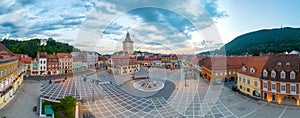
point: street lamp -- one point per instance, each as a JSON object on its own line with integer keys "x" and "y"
{"x": 93, "y": 91}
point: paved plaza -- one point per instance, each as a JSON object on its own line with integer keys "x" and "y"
{"x": 24, "y": 100}
{"x": 193, "y": 98}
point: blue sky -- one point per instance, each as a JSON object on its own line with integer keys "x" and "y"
{"x": 168, "y": 26}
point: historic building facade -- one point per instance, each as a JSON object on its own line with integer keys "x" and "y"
{"x": 42, "y": 60}
{"x": 65, "y": 62}
{"x": 52, "y": 64}
{"x": 249, "y": 76}
{"x": 218, "y": 69}
{"x": 10, "y": 79}
{"x": 125, "y": 63}
{"x": 280, "y": 79}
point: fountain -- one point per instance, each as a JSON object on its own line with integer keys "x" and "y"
{"x": 148, "y": 85}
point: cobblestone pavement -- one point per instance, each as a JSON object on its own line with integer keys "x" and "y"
{"x": 193, "y": 98}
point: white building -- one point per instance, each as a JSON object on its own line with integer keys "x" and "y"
{"x": 42, "y": 62}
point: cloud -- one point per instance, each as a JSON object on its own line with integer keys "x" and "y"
{"x": 150, "y": 23}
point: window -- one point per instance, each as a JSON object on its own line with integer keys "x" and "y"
{"x": 248, "y": 81}
{"x": 221, "y": 74}
{"x": 282, "y": 87}
{"x": 282, "y": 74}
{"x": 248, "y": 90}
{"x": 255, "y": 83}
{"x": 216, "y": 74}
{"x": 229, "y": 72}
{"x": 273, "y": 87}
{"x": 5, "y": 70}
{"x": 273, "y": 74}
{"x": 244, "y": 69}
{"x": 241, "y": 87}
{"x": 288, "y": 63}
{"x": 265, "y": 73}
{"x": 252, "y": 70}
{"x": 293, "y": 89}
{"x": 244, "y": 80}
{"x": 279, "y": 63}
{"x": 0, "y": 74}
{"x": 240, "y": 79}
{"x": 292, "y": 75}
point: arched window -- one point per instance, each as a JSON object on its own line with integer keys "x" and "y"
{"x": 292, "y": 75}
{"x": 273, "y": 74}
{"x": 252, "y": 70}
{"x": 265, "y": 73}
{"x": 282, "y": 74}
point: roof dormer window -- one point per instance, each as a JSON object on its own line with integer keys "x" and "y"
{"x": 279, "y": 63}
{"x": 265, "y": 73}
{"x": 292, "y": 75}
{"x": 252, "y": 70}
{"x": 273, "y": 74}
{"x": 288, "y": 63}
{"x": 244, "y": 69}
{"x": 282, "y": 74}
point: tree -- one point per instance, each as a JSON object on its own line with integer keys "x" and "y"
{"x": 69, "y": 104}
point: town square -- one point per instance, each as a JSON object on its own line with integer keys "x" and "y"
{"x": 149, "y": 59}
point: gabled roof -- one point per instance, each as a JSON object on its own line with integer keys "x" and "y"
{"x": 274, "y": 60}
{"x": 5, "y": 51}
{"x": 222, "y": 62}
{"x": 42, "y": 55}
{"x": 123, "y": 60}
{"x": 51, "y": 56}
{"x": 63, "y": 55}
{"x": 257, "y": 63}
{"x": 6, "y": 54}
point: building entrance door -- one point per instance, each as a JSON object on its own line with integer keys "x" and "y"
{"x": 273, "y": 97}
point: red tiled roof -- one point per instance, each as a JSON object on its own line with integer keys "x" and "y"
{"x": 63, "y": 55}
{"x": 174, "y": 58}
{"x": 156, "y": 58}
{"x": 6, "y": 54}
{"x": 221, "y": 62}
{"x": 123, "y": 60}
{"x": 42, "y": 54}
{"x": 293, "y": 59}
{"x": 140, "y": 58}
{"x": 26, "y": 60}
{"x": 257, "y": 63}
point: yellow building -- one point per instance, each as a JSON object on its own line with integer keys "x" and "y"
{"x": 10, "y": 79}
{"x": 249, "y": 76}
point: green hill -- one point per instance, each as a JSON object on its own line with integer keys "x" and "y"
{"x": 265, "y": 41}
{"x": 31, "y": 47}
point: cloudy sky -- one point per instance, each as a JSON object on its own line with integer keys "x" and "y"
{"x": 167, "y": 26}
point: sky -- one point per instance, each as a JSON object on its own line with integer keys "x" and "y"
{"x": 166, "y": 26}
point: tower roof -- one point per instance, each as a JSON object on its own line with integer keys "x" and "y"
{"x": 128, "y": 39}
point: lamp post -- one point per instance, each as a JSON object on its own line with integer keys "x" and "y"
{"x": 93, "y": 90}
